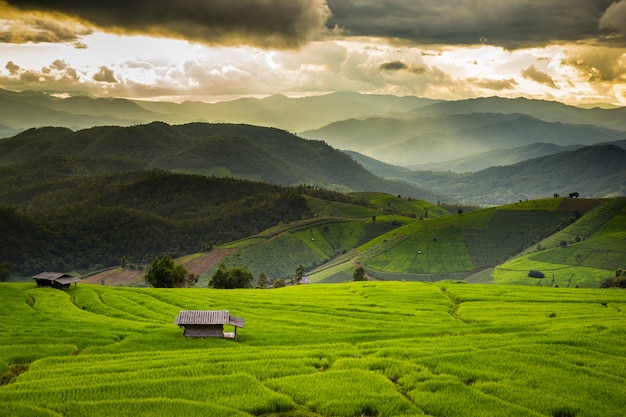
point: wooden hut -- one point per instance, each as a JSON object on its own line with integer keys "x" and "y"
{"x": 57, "y": 280}
{"x": 208, "y": 323}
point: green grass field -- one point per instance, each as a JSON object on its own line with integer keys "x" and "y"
{"x": 584, "y": 253}
{"x": 369, "y": 348}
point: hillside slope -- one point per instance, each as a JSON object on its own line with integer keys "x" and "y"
{"x": 584, "y": 253}
{"x": 593, "y": 171}
{"x": 458, "y": 247}
{"x": 241, "y": 151}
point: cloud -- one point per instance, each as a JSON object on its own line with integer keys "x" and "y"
{"x": 613, "y": 21}
{"x": 12, "y": 68}
{"x": 267, "y": 23}
{"x": 510, "y": 24}
{"x": 598, "y": 64}
{"x": 17, "y": 27}
{"x": 393, "y": 66}
{"x": 58, "y": 64}
{"x": 532, "y": 73}
{"x": 496, "y": 85}
{"x": 105, "y": 75}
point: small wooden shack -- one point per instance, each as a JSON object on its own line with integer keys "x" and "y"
{"x": 208, "y": 323}
{"x": 57, "y": 280}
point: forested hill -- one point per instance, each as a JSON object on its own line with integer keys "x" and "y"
{"x": 242, "y": 151}
{"x": 87, "y": 223}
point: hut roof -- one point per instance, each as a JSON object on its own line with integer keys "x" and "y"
{"x": 51, "y": 276}
{"x": 207, "y": 317}
{"x": 60, "y": 277}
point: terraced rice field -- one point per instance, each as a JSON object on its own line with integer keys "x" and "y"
{"x": 372, "y": 348}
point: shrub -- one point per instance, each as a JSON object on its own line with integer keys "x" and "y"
{"x": 536, "y": 274}
{"x": 225, "y": 278}
{"x": 614, "y": 282}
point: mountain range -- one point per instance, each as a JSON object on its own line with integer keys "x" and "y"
{"x": 275, "y": 156}
{"x": 22, "y": 110}
{"x": 421, "y": 134}
{"x": 256, "y": 153}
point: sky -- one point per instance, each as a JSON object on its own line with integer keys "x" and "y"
{"x": 572, "y": 51}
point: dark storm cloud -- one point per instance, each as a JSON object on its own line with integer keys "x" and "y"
{"x": 399, "y": 66}
{"x": 613, "y": 21}
{"x": 12, "y": 68}
{"x": 105, "y": 75}
{"x": 394, "y": 66}
{"x": 266, "y": 23}
{"x": 496, "y": 85}
{"x": 511, "y": 24}
{"x": 36, "y": 27}
{"x": 532, "y": 73}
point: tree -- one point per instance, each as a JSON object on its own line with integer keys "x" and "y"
{"x": 299, "y": 273}
{"x": 619, "y": 281}
{"x": 262, "y": 280}
{"x": 5, "y": 270}
{"x": 359, "y": 274}
{"x": 279, "y": 283}
{"x": 225, "y": 278}
{"x": 164, "y": 273}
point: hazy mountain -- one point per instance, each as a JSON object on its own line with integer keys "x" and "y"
{"x": 23, "y": 110}
{"x": 593, "y": 171}
{"x": 444, "y": 137}
{"x": 292, "y": 114}
{"x": 498, "y": 157}
{"x": 620, "y": 143}
{"x": 242, "y": 151}
{"x": 548, "y": 111}
{"x": 6, "y": 131}
{"x": 404, "y": 131}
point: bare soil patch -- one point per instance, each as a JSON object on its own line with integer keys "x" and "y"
{"x": 126, "y": 277}
{"x": 117, "y": 276}
{"x": 206, "y": 261}
{"x": 583, "y": 204}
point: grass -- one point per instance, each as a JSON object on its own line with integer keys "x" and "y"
{"x": 551, "y": 234}
{"x": 579, "y": 242}
{"x": 369, "y": 348}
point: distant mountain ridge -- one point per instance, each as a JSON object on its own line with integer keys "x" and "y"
{"x": 256, "y": 153}
{"x": 497, "y": 157}
{"x": 593, "y": 171}
{"x": 407, "y": 131}
{"x": 434, "y": 138}
{"x": 23, "y": 110}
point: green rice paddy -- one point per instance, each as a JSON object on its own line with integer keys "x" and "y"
{"x": 355, "y": 349}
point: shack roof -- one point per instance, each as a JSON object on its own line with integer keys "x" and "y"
{"x": 207, "y": 317}
{"x": 52, "y": 276}
{"x": 58, "y": 277}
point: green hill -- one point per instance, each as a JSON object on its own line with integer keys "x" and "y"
{"x": 100, "y": 221}
{"x": 336, "y": 230}
{"x": 373, "y": 348}
{"x": 584, "y": 253}
{"x": 241, "y": 151}
{"x": 457, "y": 247}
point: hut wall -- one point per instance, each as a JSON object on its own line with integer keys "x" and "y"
{"x": 204, "y": 330}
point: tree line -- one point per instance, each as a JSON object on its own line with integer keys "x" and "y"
{"x": 151, "y": 214}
